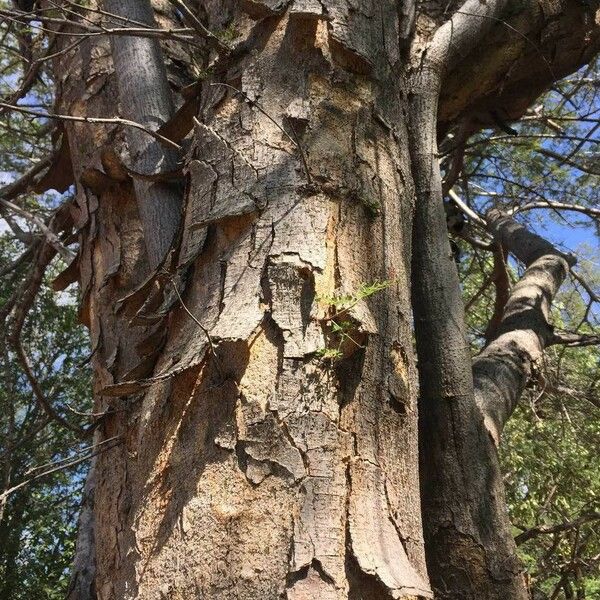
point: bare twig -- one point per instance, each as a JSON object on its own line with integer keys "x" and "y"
{"x": 550, "y": 529}
{"x": 39, "y": 394}
{"x": 11, "y": 190}
{"x": 586, "y": 210}
{"x": 468, "y": 211}
{"x": 95, "y": 120}
{"x": 61, "y": 466}
{"x": 574, "y": 340}
{"x": 194, "y": 22}
{"x": 195, "y": 319}
{"x": 51, "y": 237}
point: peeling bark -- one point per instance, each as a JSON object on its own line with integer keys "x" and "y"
{"x": 252, "y": 466}
{"x": 82, "y": 585}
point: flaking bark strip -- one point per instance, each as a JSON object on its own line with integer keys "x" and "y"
{"x": 376, "y": 545}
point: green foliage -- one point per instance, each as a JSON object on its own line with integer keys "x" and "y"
{"x": 345, "y": 302}
{"x": 37, "y": 529}
{"x": 342, "y": 331}
{"x": 228, "y": 35}
{"x": 329, "y": 353}
{"x": 550, "y": 456}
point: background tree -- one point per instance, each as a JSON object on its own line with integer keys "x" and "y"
{"x": 252, "y": 349}
{"x": 38, "y": 512}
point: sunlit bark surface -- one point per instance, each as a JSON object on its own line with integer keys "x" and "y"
{"x": 266, "y": 402}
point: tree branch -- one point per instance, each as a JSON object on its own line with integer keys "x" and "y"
{"x": 145, "y": 95}
{"x": 460, "y": 473}
{"x": 512, "y": 67}
{"x": 503, "y": 368}
{"x": 560, "y": 527}
{"x": 573, "y": 340}
{"x": 95, "y": 120}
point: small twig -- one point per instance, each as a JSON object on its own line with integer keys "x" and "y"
{"x": 202, "y": 328}
{"x": 15, "y": 264}
{"x": 92, "y": 415}
{"x": 484, "y": 286}
{"x": 94, "y": 31}
{"x": 52, "y": 238}
{"x": 593, "y": 213}
{"x": 586, "y": 286}
{"x": 83, "y": 450}
{"x": 467, "y": 210}
{"x": 94, "y": 120}
{"x": 11, "y": 190}
{"x": 61, "y": 467}
{"x": 549, "y": 529}
{"x": 574, "y": 340}
{"x": 194, "y": 22}
{"x": 292, "y": 139}
{"x": 39, "y": 394}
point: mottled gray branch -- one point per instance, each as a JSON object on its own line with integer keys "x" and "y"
{"x": 145, "y": 98}
{"x": 503, "y": 368}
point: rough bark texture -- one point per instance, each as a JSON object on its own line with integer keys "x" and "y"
{"x": 83, "y": 585}
{"x": 251, "y": 466}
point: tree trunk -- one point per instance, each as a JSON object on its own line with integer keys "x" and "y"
{"x": 259, "y": 370}
{"x": 269, "y": 425}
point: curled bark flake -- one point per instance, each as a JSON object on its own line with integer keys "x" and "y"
{"x": 67, "y": 277}
{"x": 262, "y": 439}
{"x": 60, "y": 174}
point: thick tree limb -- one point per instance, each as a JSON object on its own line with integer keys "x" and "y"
{"x": 146, "y": 99}
{"x": 503, "y": 368}
{"x": 520, "y": 57}
{"x": 467, "y": 531}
